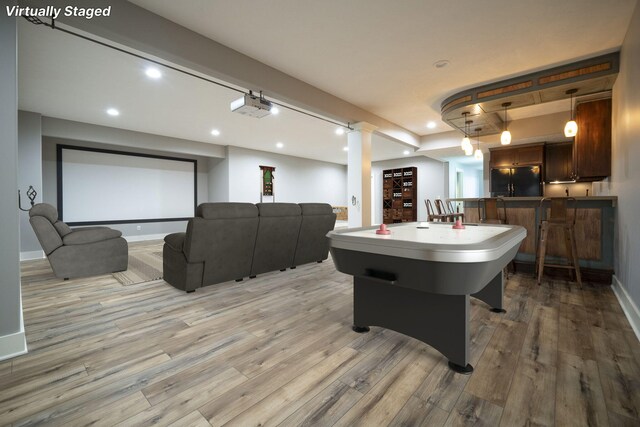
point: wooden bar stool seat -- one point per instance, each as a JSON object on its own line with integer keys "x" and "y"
{"x": 558, "y": 218}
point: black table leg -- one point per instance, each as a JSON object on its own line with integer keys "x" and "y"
{"x": 442, "y": 321}
{"x": 492, "y": 294}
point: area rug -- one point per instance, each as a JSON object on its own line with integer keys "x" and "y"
{"x": 143, "y": 267}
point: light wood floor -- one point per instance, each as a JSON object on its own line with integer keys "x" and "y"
{"x": 278, "y": 350}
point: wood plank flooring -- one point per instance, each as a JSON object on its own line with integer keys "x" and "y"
{"x": 279, "y": 350}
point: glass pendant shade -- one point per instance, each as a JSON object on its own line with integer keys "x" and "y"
{"x": 466, "y": 142}
{"x": 570, "y": 129}
{"x": 468, "y": 150}
{"x": 478, "y": 154}
{"x": 505, "y": 138}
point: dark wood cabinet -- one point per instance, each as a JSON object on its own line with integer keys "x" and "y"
{"x": 558, "y": 162}
{"x": 399, "y": 195}
{"x": 501, "y": 158}
{"x": 533, "y": 155}
{"x": 592, "y": 143}
{"x": 528, "y": 155}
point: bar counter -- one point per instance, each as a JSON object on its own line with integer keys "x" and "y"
{"x": 594, "y": 230}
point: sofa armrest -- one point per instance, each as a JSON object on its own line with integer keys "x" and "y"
{"x": 82, "y": 237}
{"x": 175, "y": 241}
{"x": 96, "y": 227}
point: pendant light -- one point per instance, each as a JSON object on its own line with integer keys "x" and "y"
{"x": 468, "y": 146}
{"x": 466, "y": 142}
{"x": 478, "y": 154}
{"x": 505, "y": 138}
{"x": 571, "y": 128}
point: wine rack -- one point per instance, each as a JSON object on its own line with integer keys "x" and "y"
{"x": 399, "y": 195}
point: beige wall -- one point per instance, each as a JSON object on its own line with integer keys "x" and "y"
{"x": 625, "y": 178}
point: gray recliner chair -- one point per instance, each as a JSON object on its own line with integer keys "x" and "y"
{"x": 77, "y": 252}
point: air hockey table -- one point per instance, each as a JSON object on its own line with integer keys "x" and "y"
{"x": 418, "y": 280}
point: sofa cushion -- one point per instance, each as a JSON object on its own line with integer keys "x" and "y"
{"x": 313, "y": 245}
{"x": 316, "y": 209}
{"x": 62, "y": 228}
{"x": 279, "y": 209}
{"x": 175, "y": 241}
{"x": 81, "y": 237}
{"x": 45, "y": 210}
{"x": 226, "y": 210}
{"x": 46, "y": 233}
{"x": 277, "y": 236}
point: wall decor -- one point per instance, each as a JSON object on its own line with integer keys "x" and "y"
{"x": 267, "y": 177}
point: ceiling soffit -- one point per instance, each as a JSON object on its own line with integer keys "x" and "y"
{"x": 484, "y": 103}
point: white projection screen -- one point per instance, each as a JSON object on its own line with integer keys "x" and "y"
{"x": 114, "y": 187}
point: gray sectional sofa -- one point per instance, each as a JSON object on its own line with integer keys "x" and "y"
{"x": 231, "y": 241}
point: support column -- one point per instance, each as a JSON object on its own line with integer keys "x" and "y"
{"x": 359, "y": 175}
{"x": 12, "y": 338}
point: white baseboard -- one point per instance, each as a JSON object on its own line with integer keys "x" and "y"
{"x": 29, "y": 255}
{"x": 628, "y": 306}
{"x": 13, "y": 345}
{"x": 144, "y": 237}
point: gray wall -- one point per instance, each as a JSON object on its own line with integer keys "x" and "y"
{"x": 68, "y": 129}
{"x": 29, "y": 173}
{"x": 128, "y": 230}
{"x": 11, "y": 338}
{"x": 219, "y": 178}
{"x": 296, "y": 180}
{"x": 625, "y": 177}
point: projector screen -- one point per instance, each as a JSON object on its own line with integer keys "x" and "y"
{"x": 114, "y": 187}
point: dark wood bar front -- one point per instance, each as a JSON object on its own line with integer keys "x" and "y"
{"x": 594, "y": 229}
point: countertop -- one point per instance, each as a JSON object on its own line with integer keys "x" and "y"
{"x": 537, "y": 199}
{"x": 582, "y": 200}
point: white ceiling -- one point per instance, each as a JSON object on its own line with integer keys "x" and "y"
{"x": 379, "y": 54}
{"x": 67, "y": 77}
{"x": 376, "y": 54}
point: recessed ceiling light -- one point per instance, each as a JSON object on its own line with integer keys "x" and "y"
{"x": 275, "y": 110}
{"x": 153, "y": 73}
{"x": 113, "y": 112}
{"x": 215, "y": 132}
{"x": 279, "y": 144}
{"x": 431, "y": 124}
{"x": 340, "y": 131}
{"x": 406, "y": 152}
{"x": 441, "y": 63}
{"x": 345, "y": 148}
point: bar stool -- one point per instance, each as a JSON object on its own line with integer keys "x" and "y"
{"x": 455, "y": 212}
{"x": 431, "y": 213}
{"x": 442, "y": 210}
{"x": 558, "y": 218}
{"x": 489, "y": 211}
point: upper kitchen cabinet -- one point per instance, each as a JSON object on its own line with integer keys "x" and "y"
{"x": 592, "y": 144}
{"x": 558, "y": 162}
{"x": 527, "y": 155}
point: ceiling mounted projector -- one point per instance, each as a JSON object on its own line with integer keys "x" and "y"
{"x": 251, "y": 105}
